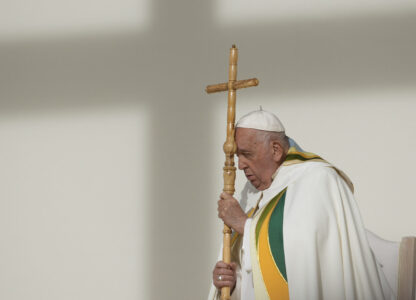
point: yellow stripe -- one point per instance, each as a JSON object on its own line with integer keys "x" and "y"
{"x": 293, "y": 150}
{"x": 275, "y": 283}
{"x": 298, "y": 161}
{"x": 250, "y": 213}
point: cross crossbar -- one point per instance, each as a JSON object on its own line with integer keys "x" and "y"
{"x": 239, "y": 84}
{"x": 230, "y": 146}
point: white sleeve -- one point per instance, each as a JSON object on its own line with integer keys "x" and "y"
{"x": 247, "y": 287}
{"x": 245, "y": 248}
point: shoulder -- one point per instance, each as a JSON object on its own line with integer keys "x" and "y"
{"x": 319, "y": 170}
{"x": 315, "y": 172}
{"x": 318, "y": 185}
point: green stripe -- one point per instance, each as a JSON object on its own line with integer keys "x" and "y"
{"x": 300, "y": 157}
{"x": 276, "y": 235}
{"x": 264, "y": 214}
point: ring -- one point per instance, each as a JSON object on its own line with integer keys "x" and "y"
{"x": 220, "y": 278}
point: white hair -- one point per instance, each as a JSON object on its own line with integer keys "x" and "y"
{"x": 270, "y": 136}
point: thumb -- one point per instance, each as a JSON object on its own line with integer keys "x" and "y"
{"x": 225, "y": 196}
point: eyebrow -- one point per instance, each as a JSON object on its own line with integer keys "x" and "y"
{"x": 243, "y": 151}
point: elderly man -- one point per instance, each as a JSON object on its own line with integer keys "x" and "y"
{"x": 297, "y": 231}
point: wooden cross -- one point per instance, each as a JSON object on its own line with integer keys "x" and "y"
{"x": 230, "y": 146}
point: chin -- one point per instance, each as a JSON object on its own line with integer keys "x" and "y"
{"x": 258, "y": 186}
{"x": 255, "y": 184}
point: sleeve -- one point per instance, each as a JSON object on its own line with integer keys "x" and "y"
{"x": 327, "y": 255}
{"x": 245, "y": 248}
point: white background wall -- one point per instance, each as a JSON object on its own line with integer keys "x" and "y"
{"x": 111, "y": 153}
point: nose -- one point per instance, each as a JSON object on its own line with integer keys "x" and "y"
{"x": 241, "y": 163}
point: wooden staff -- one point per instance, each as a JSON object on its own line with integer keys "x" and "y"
{"x": 230, "y": 146}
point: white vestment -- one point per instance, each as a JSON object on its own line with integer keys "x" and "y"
{"x": 327, "y": 255}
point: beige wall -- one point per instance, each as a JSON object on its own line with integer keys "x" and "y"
{"x": 110, "y": 152}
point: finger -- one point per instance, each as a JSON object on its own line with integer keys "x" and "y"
{"x": 223, "y": 272}
{"x": 222, "y": 212}
{"x": 224, "y": 278}
{"x": 219, "y": 208}
{"x": 221, "y": 264}
{"x": 233, "y": 266}
{"x": 221, "y": 284}
{"x": 225, "y": 196}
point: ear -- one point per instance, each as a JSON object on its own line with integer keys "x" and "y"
{"x": 277, "y": 151}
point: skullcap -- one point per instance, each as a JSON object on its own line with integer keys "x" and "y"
{"x": 261, "y": 120}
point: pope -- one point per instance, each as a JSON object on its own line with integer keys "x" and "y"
{"x": 297, "y": 231}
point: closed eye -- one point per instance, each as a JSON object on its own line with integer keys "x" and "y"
{"x": 246, "y": 154}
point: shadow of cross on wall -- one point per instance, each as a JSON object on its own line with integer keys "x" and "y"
{"x": 166, "y": 68}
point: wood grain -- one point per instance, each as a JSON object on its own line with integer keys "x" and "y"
{"x": 230, "y": 146}
{"x": 407, "y": 269}
{"x": 239, "y": 84}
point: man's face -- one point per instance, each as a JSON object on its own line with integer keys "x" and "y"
{"x": 255, "y": 157}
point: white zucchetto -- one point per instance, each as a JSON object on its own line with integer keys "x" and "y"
{"x": 261, "y": 120}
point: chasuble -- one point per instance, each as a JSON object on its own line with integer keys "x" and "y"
{"x": 305, "y": 238}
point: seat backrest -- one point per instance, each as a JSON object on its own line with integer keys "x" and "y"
{"x": 407, "y": 269}
{"x": 387, "y": 257}
{"x": 397, "y": 261}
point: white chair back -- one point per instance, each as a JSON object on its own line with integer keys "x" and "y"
{"x": 387, "y": 257}
{"x": 397, "y": 261}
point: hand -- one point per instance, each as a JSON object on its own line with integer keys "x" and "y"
{"x": 227, "y": 273}
{"x": 230, "y": 212}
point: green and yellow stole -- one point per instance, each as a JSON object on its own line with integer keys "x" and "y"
{"x": 269, "y": 268}
{"x": 269, "y": 247}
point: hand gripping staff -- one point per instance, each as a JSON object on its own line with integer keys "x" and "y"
{"x": 230, "y": 146}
